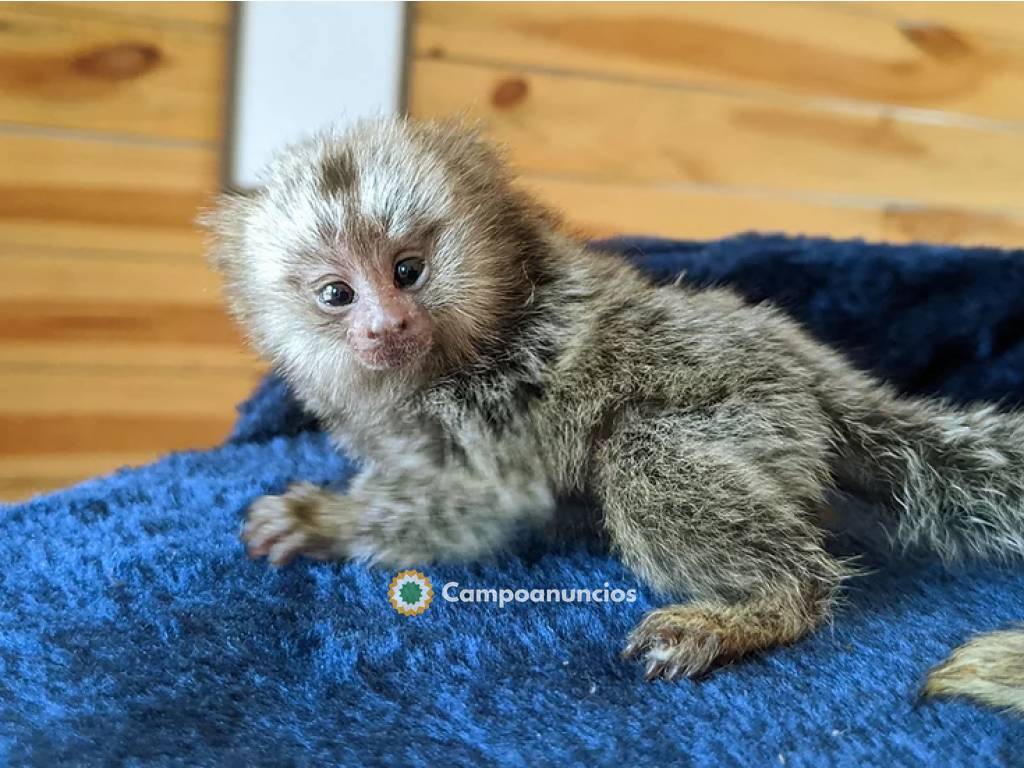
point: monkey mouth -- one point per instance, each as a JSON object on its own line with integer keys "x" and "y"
{"x": 384, "y": 357}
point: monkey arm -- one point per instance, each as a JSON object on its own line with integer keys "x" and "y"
{"x": 414, "y": 509}
{"x": 418, "y": 514}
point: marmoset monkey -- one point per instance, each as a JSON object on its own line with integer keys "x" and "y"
{"x": 483, "y": 365}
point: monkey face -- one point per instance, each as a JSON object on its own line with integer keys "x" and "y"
{"x": 375, "y": 301}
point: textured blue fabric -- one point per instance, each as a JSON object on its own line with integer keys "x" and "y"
{"x": 134, "y": 630}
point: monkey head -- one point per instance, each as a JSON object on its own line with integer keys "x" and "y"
{"x": 393, "y": 249}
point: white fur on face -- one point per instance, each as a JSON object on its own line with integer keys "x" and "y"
{"x": 398, "y": 183}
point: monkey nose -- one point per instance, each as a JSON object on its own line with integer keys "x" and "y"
{"x": 388, "y": 325}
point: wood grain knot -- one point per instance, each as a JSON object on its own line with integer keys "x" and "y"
{"x": 118, "y": 62}
{"x": 509, "y": 92}
{"x": 936, "y": 40}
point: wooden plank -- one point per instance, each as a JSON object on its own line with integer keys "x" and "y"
{"x": 106, "y": 310}
{"x": 62, "y": 424}
{"x": 70, "y": 236}
{"x": 824, "y": 50}
{"x": 1000, "y": 20}
{"x": 102, "y": 322}
{"x": 594, "y": 209}
{"x": 98, "y": 195}
{"x": 199, "y": 392}
{"x": 54, "y": 435}
{"x": 129, "y": 76}
{"x": 211, "y": 14}
{"x": 602, "y": 130}
{"x": 31, "y": 160}
{"x": 172, "y": 356}
{"x": 27, "y": 475}
{"x": 104, "y": 278}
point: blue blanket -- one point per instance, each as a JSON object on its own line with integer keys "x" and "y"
{"x": 134, "y": 630}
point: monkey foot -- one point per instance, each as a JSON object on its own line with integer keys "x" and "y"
{"x": 281, "y": 527}
{"x": 680, "y": 641}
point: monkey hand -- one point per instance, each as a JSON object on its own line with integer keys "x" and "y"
{"x": 306, "y": 520}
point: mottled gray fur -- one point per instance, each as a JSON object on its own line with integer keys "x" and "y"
{"x": 708, "y": 431}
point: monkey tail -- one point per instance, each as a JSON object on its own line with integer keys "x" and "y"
{"x": 988, "y": 668}
{"x": 953, "y": 480}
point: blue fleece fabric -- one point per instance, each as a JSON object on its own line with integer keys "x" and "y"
{"x": 133, "y": 630}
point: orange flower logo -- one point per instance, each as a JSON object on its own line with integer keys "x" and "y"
{"x": 410, "y": 593}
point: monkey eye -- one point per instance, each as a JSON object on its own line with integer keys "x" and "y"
{"x": 334, "y": 295}
{"x": 408, "y": 271}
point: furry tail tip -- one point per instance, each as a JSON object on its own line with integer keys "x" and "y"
{"x": 988, "y": 669}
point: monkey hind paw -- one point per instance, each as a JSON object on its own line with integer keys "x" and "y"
{"x": 680, "y": 641}
{"x": 988, "y": 669}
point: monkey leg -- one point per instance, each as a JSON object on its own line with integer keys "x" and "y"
{"x": 697, "y": 516}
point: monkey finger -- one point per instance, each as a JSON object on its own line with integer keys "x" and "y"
{"x": 249, "y": 528}
{"x": 266, "y": 507}
{"x": 252, "y": 526}
{"x": 655, "y": 669}
{"x": 638, "y": 644}
{"x": 631, "y": 651}
{"x": 255, "y": 519}
{"x": 284, "y": 550}
{"x": 261, "y": 538}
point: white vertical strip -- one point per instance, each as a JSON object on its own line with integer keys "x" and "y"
{"x": 301, "y": 65}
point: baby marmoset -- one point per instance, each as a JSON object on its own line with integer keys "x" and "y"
{"x": 483, "y": 365}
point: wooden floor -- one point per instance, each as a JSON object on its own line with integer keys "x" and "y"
{"x": 899, "y": 121}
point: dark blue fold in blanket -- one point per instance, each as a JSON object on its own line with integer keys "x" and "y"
{"x": 134, "y": 630}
